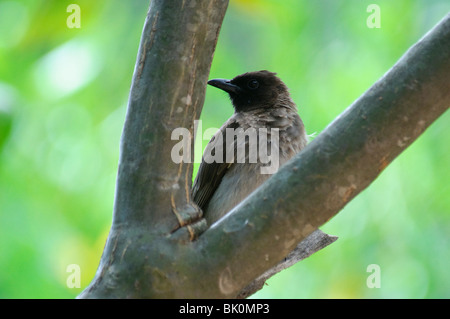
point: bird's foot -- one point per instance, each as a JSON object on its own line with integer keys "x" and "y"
{"x": 191, "y": 224}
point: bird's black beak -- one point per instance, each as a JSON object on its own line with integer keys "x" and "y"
{"x": 225, "y": 85}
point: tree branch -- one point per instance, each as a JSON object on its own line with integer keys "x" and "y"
{"x": 144, "y": 257}
{"x": 337, "y": 165}
{"x": 316, "y": 241}
{"x": 152, "y": 192}
{"x": 167, "y": 92}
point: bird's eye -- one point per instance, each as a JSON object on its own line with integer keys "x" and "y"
{"x": 253, "y": 84}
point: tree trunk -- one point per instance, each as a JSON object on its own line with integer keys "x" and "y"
{"x": 156, "y": 248}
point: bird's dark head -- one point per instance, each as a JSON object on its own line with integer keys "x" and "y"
{"x": 254, "y": 90}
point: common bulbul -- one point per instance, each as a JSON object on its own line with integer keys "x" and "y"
{"x": 262, "y": 106}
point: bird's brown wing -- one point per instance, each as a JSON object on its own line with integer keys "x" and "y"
{"x": 209, "y": 175}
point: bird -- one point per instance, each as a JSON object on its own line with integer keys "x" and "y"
{"x": 225, "y": 177}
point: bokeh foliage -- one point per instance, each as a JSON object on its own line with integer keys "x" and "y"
{"x": 63, "y": 95}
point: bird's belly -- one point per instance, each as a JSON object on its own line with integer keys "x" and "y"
{"x": 239, "y": 182}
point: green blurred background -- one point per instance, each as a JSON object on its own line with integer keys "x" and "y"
{"x": 63, "y": 95}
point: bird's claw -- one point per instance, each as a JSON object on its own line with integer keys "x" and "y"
{"x": 191, "y": 224}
